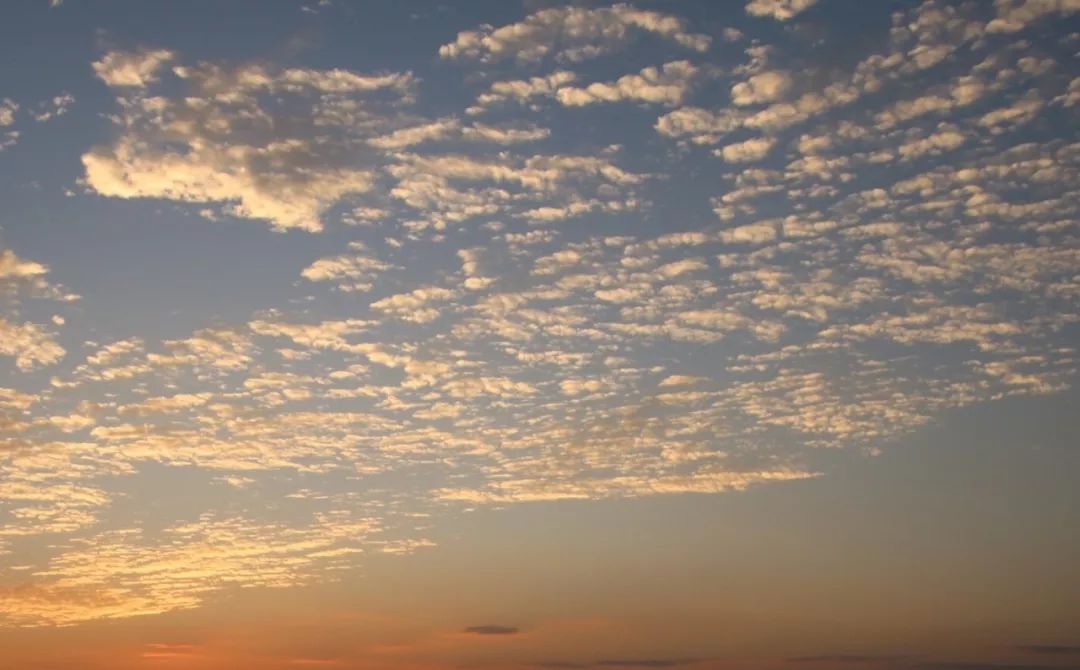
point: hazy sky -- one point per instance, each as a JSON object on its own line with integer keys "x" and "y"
{"x": 501, "y": 334}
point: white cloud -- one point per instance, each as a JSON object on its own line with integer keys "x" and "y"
{"x": 451, "y": 129}
{"x": 945, "y": 138}
{"x": 8, "y": 108}
{"x": 522, "y": 90}
{"x": 1020, "y": 112}
{"x": 701, "y": 125}
{"x": 750, "y": 233}
{"x": 781, "y": 10}
{"x": 293, "y": 197}
{"x": 132, "y": 69}
{"x": 761, "y": 87}
{"x": 12, "y": 267}
{"x": 557, "y": 262}
{"x": 12, "y": 399}
{"x": 528, "y": 316}
{"x": 354, "y": 271}
{"x": 667, "y": 84}
{"x": 750, "y": 150}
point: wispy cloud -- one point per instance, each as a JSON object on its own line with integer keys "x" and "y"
{"x": 622, "y": 260}
{"x": 492, "y": 629}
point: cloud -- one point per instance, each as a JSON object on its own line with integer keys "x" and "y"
{"x": 125, "y": 573}
{"x": 758, "y": 232}
{"x": 753, "y": 149}
{"x": 536, "y": 489}
{"x": 1015, "y": 15}
{"x": 450, "y": 188}
{"x": 54, "y": 107}
{"x": 621, "y": 663}
{"x": 8, "y": 108}
{"x": 451, "y": 129}
{"x": 1050, "y": 649}
{"x": 945, "y": 138}
{"x": 492, "y": 630}
{"x": 417, "y": 305}
{"x": 406, "y": 137}
{"x": 977, "y": 665}
{"x": 761, "y": 87}
{"x": 132, "y": 69}
{"x": 1007, "y": 118}
{"x": 12, "y": 399}
{"x": 569, "y": 34}
{"x": 781, "y": 10}
{"x": 330, "y": 335}
{"x": 167, "y": 404}
{"x": 291, "y": 199}
{"x": 42, "y": 111}
{"x": 701, "y": 125}
{"x": 681, "y": 380}
{"x": 848, "y": 658}
{"x": 557, "y": 262}
{"x": 522, "y": 90}
{"x": 219, "y": 141}
{"x": 645, "y": 662}
{"x": 21, "y": 277}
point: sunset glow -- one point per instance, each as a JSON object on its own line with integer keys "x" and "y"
{"x": 510, "y": 334}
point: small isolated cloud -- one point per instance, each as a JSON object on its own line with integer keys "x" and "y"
{"x": 620, "y": 663}
{"x": 8, "y": 108}
{"x": 645, "y": 662}
{"x": 751, "y": 150}
{"x": 134, "y": 69}
{"x": 1051, "y": 649}
{"x": 667, "y": 84}
{"x": 492, "y": 629}
{"x": 763, "y": 87}
{"x": 846, "y": 658}
{"x": 1015, "y": 15}
{"x": 164, "y": 651}
{"x": 980, "y": 665}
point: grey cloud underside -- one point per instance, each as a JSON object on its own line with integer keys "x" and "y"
{"x": 621, "y": 663}
{"x": 975, "y": 665}
{"x": 1051, "y": 649}
{"x": 492, "y": 630}
{"x": 876, "y": 246}
{"x": 847, "y": 658}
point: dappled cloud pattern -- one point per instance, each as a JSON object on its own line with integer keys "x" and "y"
{"x": 773, "y": 261}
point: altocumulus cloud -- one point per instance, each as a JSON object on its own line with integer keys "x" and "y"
{"x": 517, "y": 307}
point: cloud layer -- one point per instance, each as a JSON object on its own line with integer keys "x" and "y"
{"x": 716, "y": 268}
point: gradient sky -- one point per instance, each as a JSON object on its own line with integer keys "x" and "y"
{"x": 502, "y": 334}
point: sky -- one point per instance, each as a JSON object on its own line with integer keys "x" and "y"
{"x": 506, "y": 334}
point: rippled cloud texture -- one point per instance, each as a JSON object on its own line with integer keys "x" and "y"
{"x": 591, "y": 252}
